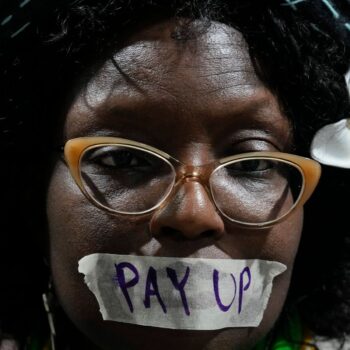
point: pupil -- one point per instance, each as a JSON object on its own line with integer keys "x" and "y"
{"x": 251, "y": 165}
{"x": 121, "y": 158}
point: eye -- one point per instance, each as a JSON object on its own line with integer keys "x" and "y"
{"x": 117, "y": 158}
{"x": 251, "y": 165}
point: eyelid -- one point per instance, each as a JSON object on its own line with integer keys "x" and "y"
{"x": 107, "y": 151}
{"x": 254, "y": 145}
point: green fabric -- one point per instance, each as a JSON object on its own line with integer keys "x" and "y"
{"x": 35, "y": 344}
{"x": 37, "y": 338}
{"x": 290, "y": 336}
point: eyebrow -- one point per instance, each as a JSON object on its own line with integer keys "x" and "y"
{"x": 132, "y": 108}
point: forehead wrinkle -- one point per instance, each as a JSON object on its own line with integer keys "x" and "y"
{"x": 205, "y": 54}
{"x": 104, "y": 92}
{"x": 164, "y": 69}
{"x": 171, "y": 79}
{"x": 153, "y": 63}
{"x": 107, "y": 85}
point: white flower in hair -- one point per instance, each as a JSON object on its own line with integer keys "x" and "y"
{"x": 331, "y": 144}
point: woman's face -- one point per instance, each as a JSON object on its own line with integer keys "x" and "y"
{"x": 198, "y": 100}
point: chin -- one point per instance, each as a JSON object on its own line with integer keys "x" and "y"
{"x": 130, "y": 337}
{"x": 110, "y": 335}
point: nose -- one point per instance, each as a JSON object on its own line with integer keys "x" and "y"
{"x": 189, "y": 213}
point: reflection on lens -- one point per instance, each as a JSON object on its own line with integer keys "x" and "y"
{"x": 256, "y": 190}
{"x": 125, "y": 178}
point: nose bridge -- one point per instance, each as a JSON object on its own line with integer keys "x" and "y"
{"x": 196, "y": 160}
{"x": 199, "y": 173}
{"x": 197, "y": 178}
{"x": 190, "y": 210}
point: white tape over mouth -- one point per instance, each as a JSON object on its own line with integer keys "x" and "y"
{"x": 180, "y": 293}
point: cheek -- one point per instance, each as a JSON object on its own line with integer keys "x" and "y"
{"x": 281, "y": 245}
{"x": 278, "y": 243}
{"x": 77, "y": 228}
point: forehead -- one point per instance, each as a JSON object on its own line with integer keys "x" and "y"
{"x": 153, "y": 58}
{"x": 152, "y": 62}
{"x": 208, "y": 77}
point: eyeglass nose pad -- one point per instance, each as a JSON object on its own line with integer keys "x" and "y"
{"x": 189, "y": 177}
{"x": 189, "y": 212}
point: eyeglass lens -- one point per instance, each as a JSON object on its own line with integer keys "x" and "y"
{"x": 256, "y": 190}
{"x": 124, "y": 178}
{"x": 131, "y": 180}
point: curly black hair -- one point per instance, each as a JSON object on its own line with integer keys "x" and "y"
{"x": 301, "y": 52}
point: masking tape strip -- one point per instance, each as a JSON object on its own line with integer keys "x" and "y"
{"x": 180, "y": 293}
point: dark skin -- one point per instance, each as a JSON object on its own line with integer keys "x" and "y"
{"x": 197, "y": 100}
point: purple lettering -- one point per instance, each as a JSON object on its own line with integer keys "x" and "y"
{"x": 222, "y": 307}
{"x": 242, "y": 288}
{"x": 152, "y": 289}
{"x": 180, "y": 285}
{"x": 125, "y": 285}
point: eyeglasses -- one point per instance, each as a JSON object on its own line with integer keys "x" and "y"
{"x": 255, "y": 189}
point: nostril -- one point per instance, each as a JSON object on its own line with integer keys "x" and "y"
{"x": 208, "y": 233}
{"x": 216, "y": 234}
{"x": 172, "y": 233}
{"x": 167, "y": 230}
{"x": 177, "y": 235}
